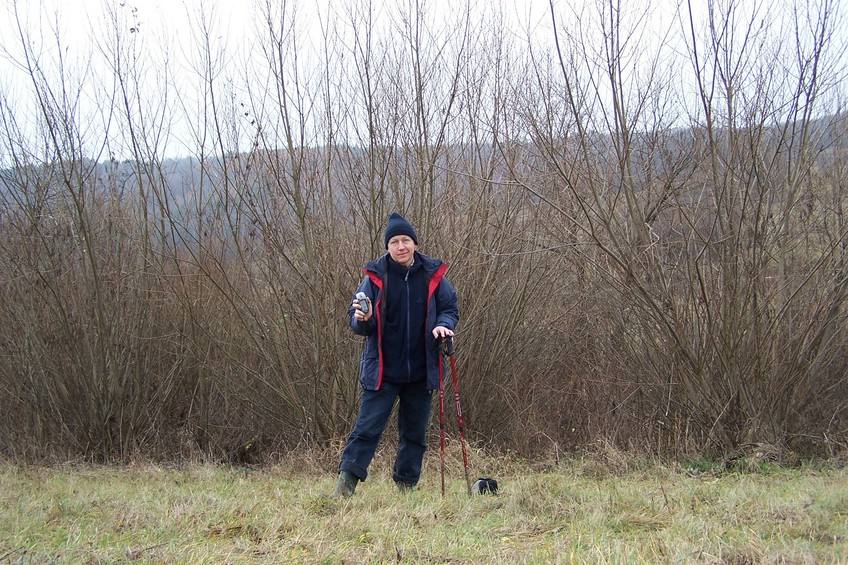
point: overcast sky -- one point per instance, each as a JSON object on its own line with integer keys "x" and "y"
{"x": 176, "y": 17}
{"x": 86, "y": 26}
{"x": 158, "y": 25}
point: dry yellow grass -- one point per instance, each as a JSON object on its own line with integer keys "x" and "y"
{"x": 572, "y": 512}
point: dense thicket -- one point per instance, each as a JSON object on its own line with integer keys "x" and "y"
{"x": 643, "y": 218}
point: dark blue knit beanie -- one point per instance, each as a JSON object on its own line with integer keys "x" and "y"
{"x": 398, "y": 225}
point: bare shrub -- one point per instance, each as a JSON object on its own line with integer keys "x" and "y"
{"x": 646, "y": 231}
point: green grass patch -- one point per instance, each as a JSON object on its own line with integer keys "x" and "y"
{"x": 572, "y": 512}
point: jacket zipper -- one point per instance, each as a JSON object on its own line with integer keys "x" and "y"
{"x": 408, "y": 310}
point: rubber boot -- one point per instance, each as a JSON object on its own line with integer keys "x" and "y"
{"x": 346, "y": 485}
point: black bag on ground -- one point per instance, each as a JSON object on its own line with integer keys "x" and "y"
{"x": 485, "y": 485}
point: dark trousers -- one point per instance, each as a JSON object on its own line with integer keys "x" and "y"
{"x": 414, "y": 402}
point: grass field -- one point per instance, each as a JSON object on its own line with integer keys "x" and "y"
{"x": 596, "y": 510}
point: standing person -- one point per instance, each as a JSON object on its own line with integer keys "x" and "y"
{"x": 410, "y": 305}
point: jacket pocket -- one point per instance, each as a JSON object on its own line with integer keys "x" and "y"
{"x": 369, "y": 364}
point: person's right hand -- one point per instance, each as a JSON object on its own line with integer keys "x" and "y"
{"x": 359, "y": 314}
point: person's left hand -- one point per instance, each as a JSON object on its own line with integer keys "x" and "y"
{"x": 441, "y": 331}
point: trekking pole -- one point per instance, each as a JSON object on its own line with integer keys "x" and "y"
{"x": 446, "y": 348}
{"x": 441, "y": 422}
{"x": 449, "y": 351}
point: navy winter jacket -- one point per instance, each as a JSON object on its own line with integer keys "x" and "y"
{"x": 441, "y": 310}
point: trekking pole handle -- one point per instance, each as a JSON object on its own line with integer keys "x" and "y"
{"x": 446, "y": 345}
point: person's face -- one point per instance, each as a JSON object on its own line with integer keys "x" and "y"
{"x": 401, "y": 249}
